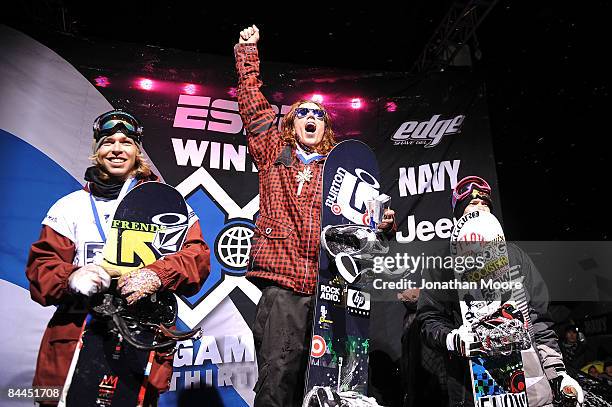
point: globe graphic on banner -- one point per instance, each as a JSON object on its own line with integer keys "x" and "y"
{"x": 233, "y": 246}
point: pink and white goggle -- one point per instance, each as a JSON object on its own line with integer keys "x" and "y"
{"x": 467, "y": 186}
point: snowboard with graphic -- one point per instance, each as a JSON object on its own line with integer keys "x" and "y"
{"x": 151, "y": 221}
{"x": 340, "y": 333}
{"x": 496, "y": 309}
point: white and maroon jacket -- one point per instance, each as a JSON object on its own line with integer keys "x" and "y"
{"x": 70, "y": 239}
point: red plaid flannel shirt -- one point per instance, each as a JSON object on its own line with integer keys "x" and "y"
{"x": 286, "y": 242}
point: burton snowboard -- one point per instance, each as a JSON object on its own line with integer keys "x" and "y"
{"x": 111, "y": 364}
{"x": 338, "y": 360}
{"x": 495, "y": 308}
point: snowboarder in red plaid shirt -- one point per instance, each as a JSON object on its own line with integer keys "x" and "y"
{"x": 284, "y": 256}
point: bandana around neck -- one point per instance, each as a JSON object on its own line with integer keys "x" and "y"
{"x": 307, "y": 157}
{"x": 103, "y": 188}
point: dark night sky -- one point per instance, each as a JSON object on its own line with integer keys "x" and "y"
{"x": 544, "y": 65}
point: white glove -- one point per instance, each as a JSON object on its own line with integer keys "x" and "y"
{"x": 569, "y": 381}
{"x": 89, "y": 280}
{"x": 464, "y": 342}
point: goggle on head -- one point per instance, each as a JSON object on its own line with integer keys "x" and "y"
{"x": 115, "y": 121}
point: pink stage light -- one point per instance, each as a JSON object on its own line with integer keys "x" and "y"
{"x": 146, "y": 84}
{"x": 391, "y": 106}
{"x": 232, "y": 92}
{"x": 317, "y": 98}
{"x": 356, "y": 103}
{"x": 102, "y": 81}
{"x": 190, "y": 89}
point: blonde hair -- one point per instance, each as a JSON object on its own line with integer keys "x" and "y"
{"x": 288, "y": 131}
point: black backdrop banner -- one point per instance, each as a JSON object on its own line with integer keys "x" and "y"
{"x": 427, "y": 133}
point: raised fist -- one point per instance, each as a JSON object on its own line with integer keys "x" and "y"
{"x": 249, "y": 35}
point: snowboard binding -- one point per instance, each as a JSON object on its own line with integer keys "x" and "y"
{"x": 353, "y": 248}
{"x": 357, "y": 241}
{"x": 503, "y": 332}
{"x": 155, "y": 315}
{"x": 320, "y": 396}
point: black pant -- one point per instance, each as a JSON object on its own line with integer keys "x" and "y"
{"x": 282, "y": 332}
